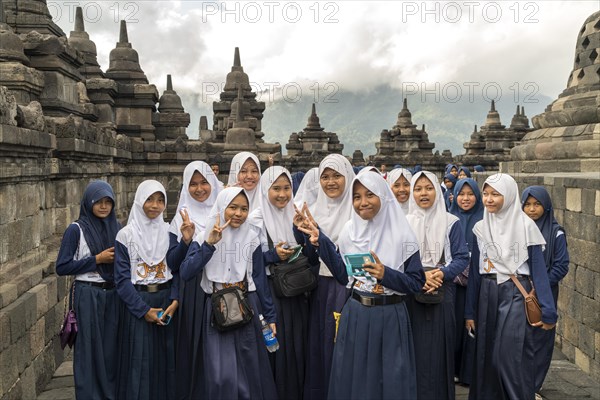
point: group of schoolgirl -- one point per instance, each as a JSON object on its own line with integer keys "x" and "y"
{"x": 142, "y": 293}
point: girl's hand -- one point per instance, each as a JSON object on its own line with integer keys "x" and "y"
{"x": 547, "y": 327}
{"x": 299, "y": 217}
{"x": 106, "y": 256}
{"x": 217, "y": 231}
{"x": 283, "y": 254}
{"x": 273, "y": 328}
{"x": 433, "y": 280}
{"x": 170, "y": 310}
{"x": 376, "y": 269}
{"x": 312, "y": 231}
{"x": 187, "y": 227}
{"x": 470, "y": 325}
{"x": 152, "y": 316}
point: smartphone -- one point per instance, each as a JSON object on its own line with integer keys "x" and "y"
{"x": 354, "y": 263}
{"x": 297, "y": 251}
{"x": 167, "y": 318}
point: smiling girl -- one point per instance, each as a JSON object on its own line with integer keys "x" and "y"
{"x": 399, "y": 180}
{"x": 537, "y": 205}
{"x": 235, "y": 361}
{"x": 87, "y": 252}
{"x": 148, "y": 285}
{"x": 373, "y": 355}
{"x": 244, "y": 172}
{"x": 508, "y": 243}
{"x": 444, "y": 255}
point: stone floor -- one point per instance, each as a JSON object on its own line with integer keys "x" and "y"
{"x": 564, "y": 381}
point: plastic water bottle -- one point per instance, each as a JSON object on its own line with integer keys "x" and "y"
{"x": 270, "y": 340}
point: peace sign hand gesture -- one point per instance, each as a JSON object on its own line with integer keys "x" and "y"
{"x": 312, "y": 231}
{"x": 188, "y": 228}
{"x": 216, "y": 232}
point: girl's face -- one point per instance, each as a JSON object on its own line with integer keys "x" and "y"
{"x": 154, "y": 205}
{"x": 492, "y": 199}
{"x": 102, "y": 208}
{"x": 462, "y": 175}
{"x": 466, "y": 198}
{"x": 533, "y": 208}
{"x": 448, "y": 184}
{"x": 454, "y": 171}
{"x": 366, "y": 203}
{"x": 249, "y": 175}
{"x": 401, "y": 189}
{"x": 237, "y": 211}
{"x": 199, "y": 187}
{"x": 280, "y": 192}
{"x": 333, "y": 183}
{"x": 424, "y": 192}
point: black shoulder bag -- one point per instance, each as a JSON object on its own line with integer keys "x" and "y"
{"x": 292, "y": 278}
{"x": 437, "y": 296}
{"x": 230, "y": 307}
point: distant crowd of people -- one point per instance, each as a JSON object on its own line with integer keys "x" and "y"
{"x": 413, "y": 287}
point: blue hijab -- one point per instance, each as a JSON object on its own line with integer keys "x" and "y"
{"x": 448, "y": 192}
{"x": 479, "y": 168}
{"x": 449, "y": 168}
{"x": 99, "y": 233}
{"x": 468, "y": 219}
{"x": 296, "y": 180}
{"x": 466, "y": 170}
{"x": 547, "y": 223}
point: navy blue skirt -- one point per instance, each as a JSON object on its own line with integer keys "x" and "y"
{"x": 327, "y": 298}
{"x": 464, "y": 347}
{"x": 544, "y": 347}
{"x": 514, "y": 349}
{"x": 236, "y": 363}
{"x": 95, "y": 357}
{"x": 373, "y": 355}
{"x": 289, "y": 362}
{"x": 189, "y": 362}
{"x": 485, "y": 384}
{"x": 433, "y": 328}
{"x": 147, "y": 352}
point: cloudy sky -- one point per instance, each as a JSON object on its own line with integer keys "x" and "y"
{"x": 523, "y": 47}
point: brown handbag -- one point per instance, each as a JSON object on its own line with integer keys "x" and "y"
{"x": 533, "y": 311}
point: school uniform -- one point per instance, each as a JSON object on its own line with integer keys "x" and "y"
{"x": 556, "y": 257}
{"x": 464, "y": 350}
{"x": 192, "y": 297}
{"x": 236, "y": 165}
{"x": 93, "y": 298}
{"x": 504, "y": 340}
{"x": 330, "y": 296}
{"x": 373, "y": 354}
{"x": 145, "y": 279}
{"x": 440, "y": 237}
{"x": 448, "y": 192}
{"x": 235, "y": 363}
{"x": 288, "y": 363}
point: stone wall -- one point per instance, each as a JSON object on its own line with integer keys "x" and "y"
{"x": 42, "y": 179}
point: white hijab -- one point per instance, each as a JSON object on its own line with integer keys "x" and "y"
{"x": 234, "y": 169}
{"x": 430, "y": 225}
{"x": 332, "y": 214}
{"x": 308, "y": 189}
{"x": 198, "y": 211}
{"x": 505, "y": 235}
{"x": 232, "y": 258}
{"x": 148, "y": 237}
{"x": 393, "y": 176}
{"x": 274, "y": 221}
{"x": 388, "y": 234}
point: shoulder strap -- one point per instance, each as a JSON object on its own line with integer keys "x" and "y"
{"x": 518, "y": 285}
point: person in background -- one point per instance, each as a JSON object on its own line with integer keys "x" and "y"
{"x": 399, "y": 180}
{"x": 537, "y": 205}
{"x": 449, "y": 182}
{"x": 245, "y": 173}
{"x": 87, "y": 252}
{"x": 463, "y": 172}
